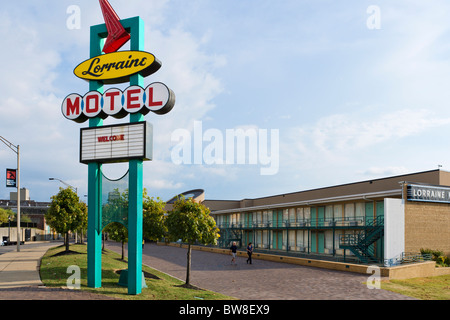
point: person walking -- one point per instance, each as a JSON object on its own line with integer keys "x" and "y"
{"x": 233, "y": 250}
{"x": 249, "y": 252}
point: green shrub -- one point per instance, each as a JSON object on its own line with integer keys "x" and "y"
{"x": 437, "y": 256}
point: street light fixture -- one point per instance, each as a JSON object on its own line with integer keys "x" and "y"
{"x": 16, "y": 149}
{"x": 73, "y": 188}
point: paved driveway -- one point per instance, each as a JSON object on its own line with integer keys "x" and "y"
{"x": 262, "y": 280}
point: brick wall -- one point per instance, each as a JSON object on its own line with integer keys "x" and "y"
{"x": 427, "y": 225}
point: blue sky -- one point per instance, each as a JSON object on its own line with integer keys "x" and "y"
{"x": 350, "y": 103}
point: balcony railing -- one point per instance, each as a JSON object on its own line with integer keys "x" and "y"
{"x": 303, "y": 223}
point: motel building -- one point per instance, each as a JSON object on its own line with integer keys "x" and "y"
{"x": 378, "y": 222}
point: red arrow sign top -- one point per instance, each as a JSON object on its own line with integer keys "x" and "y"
{"x": 117, "y": 36}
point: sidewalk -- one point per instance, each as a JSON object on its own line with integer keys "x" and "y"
{"x": 21, "y": 269}
{"x": 20, "y": 279}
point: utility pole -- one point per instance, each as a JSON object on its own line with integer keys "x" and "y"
{"x": 16, "y": 149}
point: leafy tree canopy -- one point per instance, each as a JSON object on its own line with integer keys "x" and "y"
{"x": 154, "y": 226}
{"x": 66, "y": 213}
{"x": 191, "y": 222}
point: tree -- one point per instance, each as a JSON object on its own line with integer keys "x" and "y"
{"x": 82, "y": 220}
{"x": 66, "y": 213}
{"x": 119, "y": 233}
{"x": 115, "y": 217}
{"x": 5, "y": 214}
{"x": 154, "y": 226}
{"x": 8, "y": 214}
{"x": 190, "y": 221}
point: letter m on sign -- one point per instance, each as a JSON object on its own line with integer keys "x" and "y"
{"x": 73, "y": 107}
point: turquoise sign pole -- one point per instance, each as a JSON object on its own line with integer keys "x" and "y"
{"x": 135, "y": 193}
{"x": 94, "y": 258}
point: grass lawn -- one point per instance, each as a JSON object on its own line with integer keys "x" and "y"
{"x": 160, "y": 286}
{"x": 431, "y": 288}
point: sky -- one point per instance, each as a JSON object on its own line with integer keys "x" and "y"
{"x": 328, "y": 92}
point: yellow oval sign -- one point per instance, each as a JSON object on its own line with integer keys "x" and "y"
{"x": 117, "y": 67}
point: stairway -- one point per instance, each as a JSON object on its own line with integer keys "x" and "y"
{"x": 227, "y": 235}
{"x": 361, "y": 244}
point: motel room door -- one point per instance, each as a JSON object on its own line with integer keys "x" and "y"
{"x": 277, "y": 218}
{"x": 277, "y": 235}
{"x": 317, "y": 217}
{"x": 277, "y": 240}
{"x": 318, "y": 241}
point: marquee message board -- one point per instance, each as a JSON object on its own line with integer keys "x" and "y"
{"x": 116, "y": 143}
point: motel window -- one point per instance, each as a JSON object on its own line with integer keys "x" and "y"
{"x": 265, "y": 217}
{"x": 265, "y": 235}
{"x": 350, "y": 212}
{"x": 292, "y": 218}
{"x": 329, "y": 240}
{"x": 337, "y": 212}
{"x": 337, "y": 236}
{"x": 300, "y": 238}
{"x": 218, "y": 220}
{"x": 360, "y": 209}
{"x": 234, "y": 218}
{"x": 300, "y": 214}
{"x": 292, "y": 241}
{"x": 307, "y": 214}
{"x": 258, "y": 243}
{"x": 328, "y": 214}
{"x": 258, "y": 217}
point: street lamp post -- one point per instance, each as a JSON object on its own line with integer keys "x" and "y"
{"x": 73, "y": 188}
{"x": 9, "y": 229}
{"x": 16, "y": 149}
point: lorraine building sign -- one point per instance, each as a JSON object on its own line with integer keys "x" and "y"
{"x": 425, "y": 193}
{"x": 127, "y": 142}
{"x": 117, "y": 67}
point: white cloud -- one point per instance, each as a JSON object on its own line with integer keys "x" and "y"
{"x": 337, "y": 134}
{"x": 384, "y": 171}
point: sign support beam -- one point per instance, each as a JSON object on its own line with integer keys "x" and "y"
{"x": 94, "y": 254}
{"x": 135, "y": 215}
